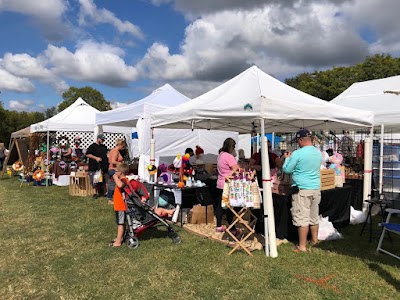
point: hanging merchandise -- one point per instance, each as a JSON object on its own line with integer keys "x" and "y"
{"x": 38, "y": 175}
{"x": 360, "y": 149}
{"x": 346, "y": 146}
{"x": 240, "y": 191}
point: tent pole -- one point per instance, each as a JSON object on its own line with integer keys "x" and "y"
{"x": 269, "y": 220}
{"x": 367, "y": 170}
{"x": 381, "y": 160}
{"x": 48, "y": 159}
{"x": 152, "y": 154}
{"x": 273, "y": 141}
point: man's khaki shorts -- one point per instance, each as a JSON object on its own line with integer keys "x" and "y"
{"x": 305, "y": 207}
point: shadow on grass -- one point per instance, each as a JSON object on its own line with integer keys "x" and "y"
{"x": 356, "y": 245}
{"x": 385, "y": 275}
{"x": 157, "y": 232}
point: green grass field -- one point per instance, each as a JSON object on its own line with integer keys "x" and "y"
{"x": 55, "y": 246}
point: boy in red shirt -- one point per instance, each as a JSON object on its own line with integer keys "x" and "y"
{"x": 119, "y": 204}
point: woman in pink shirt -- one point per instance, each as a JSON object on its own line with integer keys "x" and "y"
{"x": 226, "y": 163}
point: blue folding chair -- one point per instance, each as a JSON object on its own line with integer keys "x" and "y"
{"x": 389, "y": 227}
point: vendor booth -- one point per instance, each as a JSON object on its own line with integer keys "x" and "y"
{"x": 59, "y": 142}
{"x": 253, "y": 98}
{"x": 382, "y": 96}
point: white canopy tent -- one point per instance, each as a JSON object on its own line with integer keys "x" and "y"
{"x": 382, "y": 96}
{"x": 169, "y": 142}
{"x": 79, "y": 117}
{"x": 135, "y": 116}
{"x": 255, "y": 98}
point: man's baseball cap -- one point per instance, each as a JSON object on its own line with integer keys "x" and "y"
{"x": 302, "y": 133}
{"x": 101, "y": 136}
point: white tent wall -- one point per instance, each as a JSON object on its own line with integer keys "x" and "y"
{"x": 244, "y": 142}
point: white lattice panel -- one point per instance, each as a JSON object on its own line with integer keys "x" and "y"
{"x": 87, "y": 138}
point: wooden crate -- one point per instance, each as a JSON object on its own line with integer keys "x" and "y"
{"x": 198, "y": 215}
{"x": 79, "y": 185}
{"x": 327, "y": 179}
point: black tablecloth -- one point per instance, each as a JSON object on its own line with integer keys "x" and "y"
{"x": 190, "y": 195}
{"x": 356, "y": 193}
{"x": 335, "y": 204}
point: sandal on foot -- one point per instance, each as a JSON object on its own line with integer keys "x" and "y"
{"x": 112, "y": 242}
{"x": 298, "y": 250}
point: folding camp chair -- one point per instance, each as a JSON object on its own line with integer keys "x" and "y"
{"x": 390, "y": 227}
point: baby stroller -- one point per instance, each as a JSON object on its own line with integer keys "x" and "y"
{"x": 140, "y": 216}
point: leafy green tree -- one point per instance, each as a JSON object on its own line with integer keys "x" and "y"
{"x": 50, "y": 112}
{"x": 330, "y": 83}
{"x": 90, "y": 95}
{"x": 380, "y": 66}
{"x": 13, "y": 121}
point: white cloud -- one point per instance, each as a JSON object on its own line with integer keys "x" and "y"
{"x": 116, "y": 104}
{"x": 218, "y": 46}
{"x": 20, "y": 105}
{"x": 14, "y": 83}
{"x": 95, "y": 62}
{"x": 378, "y": 19}
{"x": 160, "y": 2}
{"x": 89, "y": 11}
{"x": 25, "y": 66}
{"x": 194, "y": 8}
{"x": 47, "y": 14}
{"x": 159, "y": 63}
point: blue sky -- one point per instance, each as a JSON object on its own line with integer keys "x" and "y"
{"x": 125, "y": 48}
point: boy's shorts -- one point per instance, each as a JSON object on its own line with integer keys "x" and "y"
{"x": 120, "y": 217}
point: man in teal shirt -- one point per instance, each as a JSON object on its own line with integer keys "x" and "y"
{"x": 304, "y": 165}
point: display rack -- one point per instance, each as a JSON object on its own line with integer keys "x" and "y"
{"x": 391, "y": 167}
{"x": 248, "y": 228}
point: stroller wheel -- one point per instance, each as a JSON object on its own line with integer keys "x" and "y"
{"x": 132, "y": 242}
{"x": 176, "y": 239}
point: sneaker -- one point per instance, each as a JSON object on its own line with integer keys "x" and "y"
{"x": 94, "y": 196}
{"x": 110, "y": 202}
{"x": 220, "y": 229}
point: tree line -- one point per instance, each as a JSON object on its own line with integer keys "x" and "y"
{"x": 328, "y": 84}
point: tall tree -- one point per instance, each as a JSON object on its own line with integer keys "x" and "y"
{"x": 90, "y": 95}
